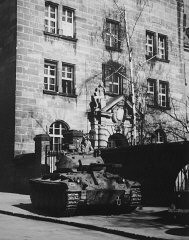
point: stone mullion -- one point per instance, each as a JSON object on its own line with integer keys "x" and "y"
{"x": 59, "y": 76}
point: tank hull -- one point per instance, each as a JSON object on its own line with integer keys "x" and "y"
{"x": 57, "y": 198}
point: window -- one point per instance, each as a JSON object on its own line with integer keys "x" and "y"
{"x": 56, "y": 131}
{"x": 161, "y": 51}
{"x": 151, "y": 91}
{"x": 51, "y": 18}
{"x": 67, "y": 22}
{"x": 113, "y": 74}
{"x": 59, "y": 21}
{"x": 163, "y": 94}
{"x": 162, "y": 46}
{"x": 160, "y": 136}
{"x": 50, "y": 70}
{"x": 112, "y": 35}
{"x": 62, "y": 85}
{"x": 150, "y": 44}
{"x": 67, "y": 79}
{"x": 158, "y": 97}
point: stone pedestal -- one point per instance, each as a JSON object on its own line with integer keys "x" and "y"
{"x": 41, "y": 143}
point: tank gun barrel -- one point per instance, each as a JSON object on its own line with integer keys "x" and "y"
{"x": 97, "y": 166}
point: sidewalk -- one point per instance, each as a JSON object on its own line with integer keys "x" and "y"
{"x": 147, "y": 223}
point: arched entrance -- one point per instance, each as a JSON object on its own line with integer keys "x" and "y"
{"x": 117, "y": 140}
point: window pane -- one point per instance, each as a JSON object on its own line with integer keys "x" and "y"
{"x": 115, "y": 89}
{"x": 52, "y": 9}
{"x": 69, "y": 75}
{"x": 50, "y": 19}
{"x": 52, "y": 15}
{"x": 49, "y": 76}
{"x": 69, "y": 13}
{"x": 52, "y": 80}
{"x": 52, "y": 24}
{"x": 149, "y": 43}
{"x": 112, "y": 37}
{"x": 51, "y": 87}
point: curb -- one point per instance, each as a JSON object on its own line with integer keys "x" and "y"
{"x": 82, "y": 225}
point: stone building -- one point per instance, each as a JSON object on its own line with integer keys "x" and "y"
{"x": 64, "y": 65}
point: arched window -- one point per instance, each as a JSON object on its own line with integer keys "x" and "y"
{"x": 159, "y": 136}
{"x": 182, "y": 180}
{"x": 56, "y": 131}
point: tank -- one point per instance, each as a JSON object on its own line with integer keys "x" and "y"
{"x": 82, "y": 181}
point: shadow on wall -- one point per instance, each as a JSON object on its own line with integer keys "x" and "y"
{"x": 26, "y": 167}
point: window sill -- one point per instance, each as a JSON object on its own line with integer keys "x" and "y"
{"x": 113, "y": 49}
{"x": 67, "y": 95}
{"x": 49, "y": 92}
{"x": 73, "y": 39}
{"x": 155, "y": 58}
{"x": 159, "y": 107}
{"x": 59, "y": 94}
{"x": 113, "y": 94}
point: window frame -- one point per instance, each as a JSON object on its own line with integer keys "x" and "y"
{"x": 154, "y": 54}
{"x": 165, "y": 48}
{"x": 53, "y": 64}
{"x": 63, "y": 126}
{"x": 72, "y": 66}
{"x": 110, "y": 46}
{"x": 154, "y": 93}
{"x": 66, "y": 8}
{"x": 58, "y": 89}
{"x": 107, "y": 72}
{"x": 153, "y": 45}
{"x": 158, "y": 94}
{"x": 166, "y": 95}
{"x": 59, "y": 31}
{"x": 49, "y": 5}
{"x": 160, "y": 134}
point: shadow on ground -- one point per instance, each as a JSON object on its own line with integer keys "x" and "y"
{"x": 184, "y": 232}
{"x": 139, "y": 219}
{"x": 81, "y": 212}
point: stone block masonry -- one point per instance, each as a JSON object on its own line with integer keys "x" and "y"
{"x": 24, "y": 47}
{"x": 87, "y": 54}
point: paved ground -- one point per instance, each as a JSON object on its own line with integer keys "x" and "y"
{"x": 17, "y": 228}
{"x": 148, "y": 223}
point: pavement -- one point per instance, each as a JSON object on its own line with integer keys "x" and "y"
{"x": 145, "y": 223}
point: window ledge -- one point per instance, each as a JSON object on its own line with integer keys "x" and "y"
{"x": 155, "y": 58}
{"x": 113, "y": 49}
{"x": 113, "y": 94}
{"x": 162, "y": 60}
{"x": 67, "y": 95}
{"x": 59, "y": 94}
{"x": 73, "y": 39}
{"x": 159, "y": 107}
{"x": 49, "y": 92}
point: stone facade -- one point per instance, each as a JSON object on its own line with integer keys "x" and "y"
{"x": 31, "y": 109}
{"x": 186, "y": 44}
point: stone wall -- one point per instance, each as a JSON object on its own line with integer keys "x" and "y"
{"x": 35, "y": 110}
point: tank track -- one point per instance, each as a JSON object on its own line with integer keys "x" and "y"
{"x": 54, "y": 200}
